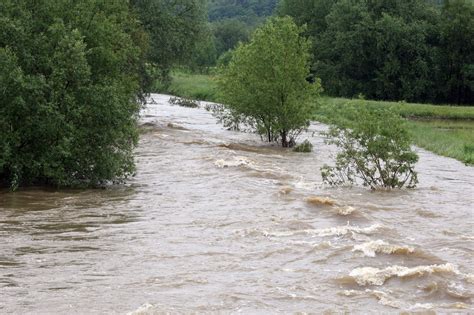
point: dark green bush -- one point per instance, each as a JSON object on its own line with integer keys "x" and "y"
{"x": 69, "y": 89}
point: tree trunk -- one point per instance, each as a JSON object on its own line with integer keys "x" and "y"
{"x": 284, "y": 140}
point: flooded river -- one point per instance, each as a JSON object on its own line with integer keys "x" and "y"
{"x": 217, "y": 221}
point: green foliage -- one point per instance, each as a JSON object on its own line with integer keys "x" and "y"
{"x": 375, "y": 149}
{"x": 456, "y": 53}
{"x": 311, "y": 13}
{"x": 468, "y": 153}
{"x": 444, "y": 130}
{"x": 391, "y": 50}
{"x": 204, "y": 55}
{"x": 304, "y": 147}
{"x": 248, "y": 11}
{"x": 228, "y": 33}
{"x": 231, "y": 22}
{"x": 70, "y": 78}
{"x": 175, "y": 28}
{"x": 265, "y": 84}
{"x": 380, "y": 50}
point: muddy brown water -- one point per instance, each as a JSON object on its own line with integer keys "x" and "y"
{"x": 215, "y": 221}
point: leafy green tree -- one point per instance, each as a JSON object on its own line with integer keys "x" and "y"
{"x": 374, "y": 150}
{"x": 70, "y": 81}
{"x": 265, "y": 83}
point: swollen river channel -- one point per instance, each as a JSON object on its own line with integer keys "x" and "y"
{"x": 217, "y": 221}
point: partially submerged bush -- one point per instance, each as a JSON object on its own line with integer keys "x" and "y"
{"x": 184, "y": 102}
{"x": 375, "y": 149}
{"x": 304, "y": 146}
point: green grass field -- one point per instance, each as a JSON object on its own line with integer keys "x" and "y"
{"x": 444, "y": 130}
{"x": 196, "y": 86}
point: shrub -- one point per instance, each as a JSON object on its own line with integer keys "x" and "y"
{"x": 184, "y": 102}
{"x": 304, "y": 146}
{"x": 375, "y": 150}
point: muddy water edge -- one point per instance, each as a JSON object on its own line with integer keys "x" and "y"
{"x": 216, "y": 221}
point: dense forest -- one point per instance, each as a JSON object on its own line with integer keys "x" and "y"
{"x": 391, "y": 50}
{"x": 250, "y": 11}
{"x": 416, "y": 50}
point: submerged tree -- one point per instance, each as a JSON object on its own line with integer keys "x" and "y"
{"x": 374, "y": 150}
{"x": 265, "y": 85}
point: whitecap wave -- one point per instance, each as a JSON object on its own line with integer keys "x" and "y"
{"x": 332, "y": 231}
{"x": 346, "y": 210}
{"x": 235, "y": 161}
{"x": 375, "y": 276}
{"x": 370, "y": 249}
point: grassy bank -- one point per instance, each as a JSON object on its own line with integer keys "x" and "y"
{"x": 196, "y": 86}
{"x": 411, "y": 111}
{"x": 444, "y": 130}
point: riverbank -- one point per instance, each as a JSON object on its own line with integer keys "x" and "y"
{"x": 444, "y": 130}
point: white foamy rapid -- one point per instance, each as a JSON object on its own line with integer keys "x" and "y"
{"x": 235, "y": 161}
{"x": 375, "y": 276}
{"x": 332, "y": 231}
{"x": 371, "y": 248}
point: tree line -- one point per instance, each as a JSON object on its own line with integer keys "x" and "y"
{"x": 413, "y": 50}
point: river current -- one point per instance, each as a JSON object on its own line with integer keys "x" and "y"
{"x": 217, "y": 221}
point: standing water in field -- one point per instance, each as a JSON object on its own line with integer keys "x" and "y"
{"x": 217, "y": 221}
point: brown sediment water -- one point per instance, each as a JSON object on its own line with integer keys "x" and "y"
{"x": 216, "y": 221}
